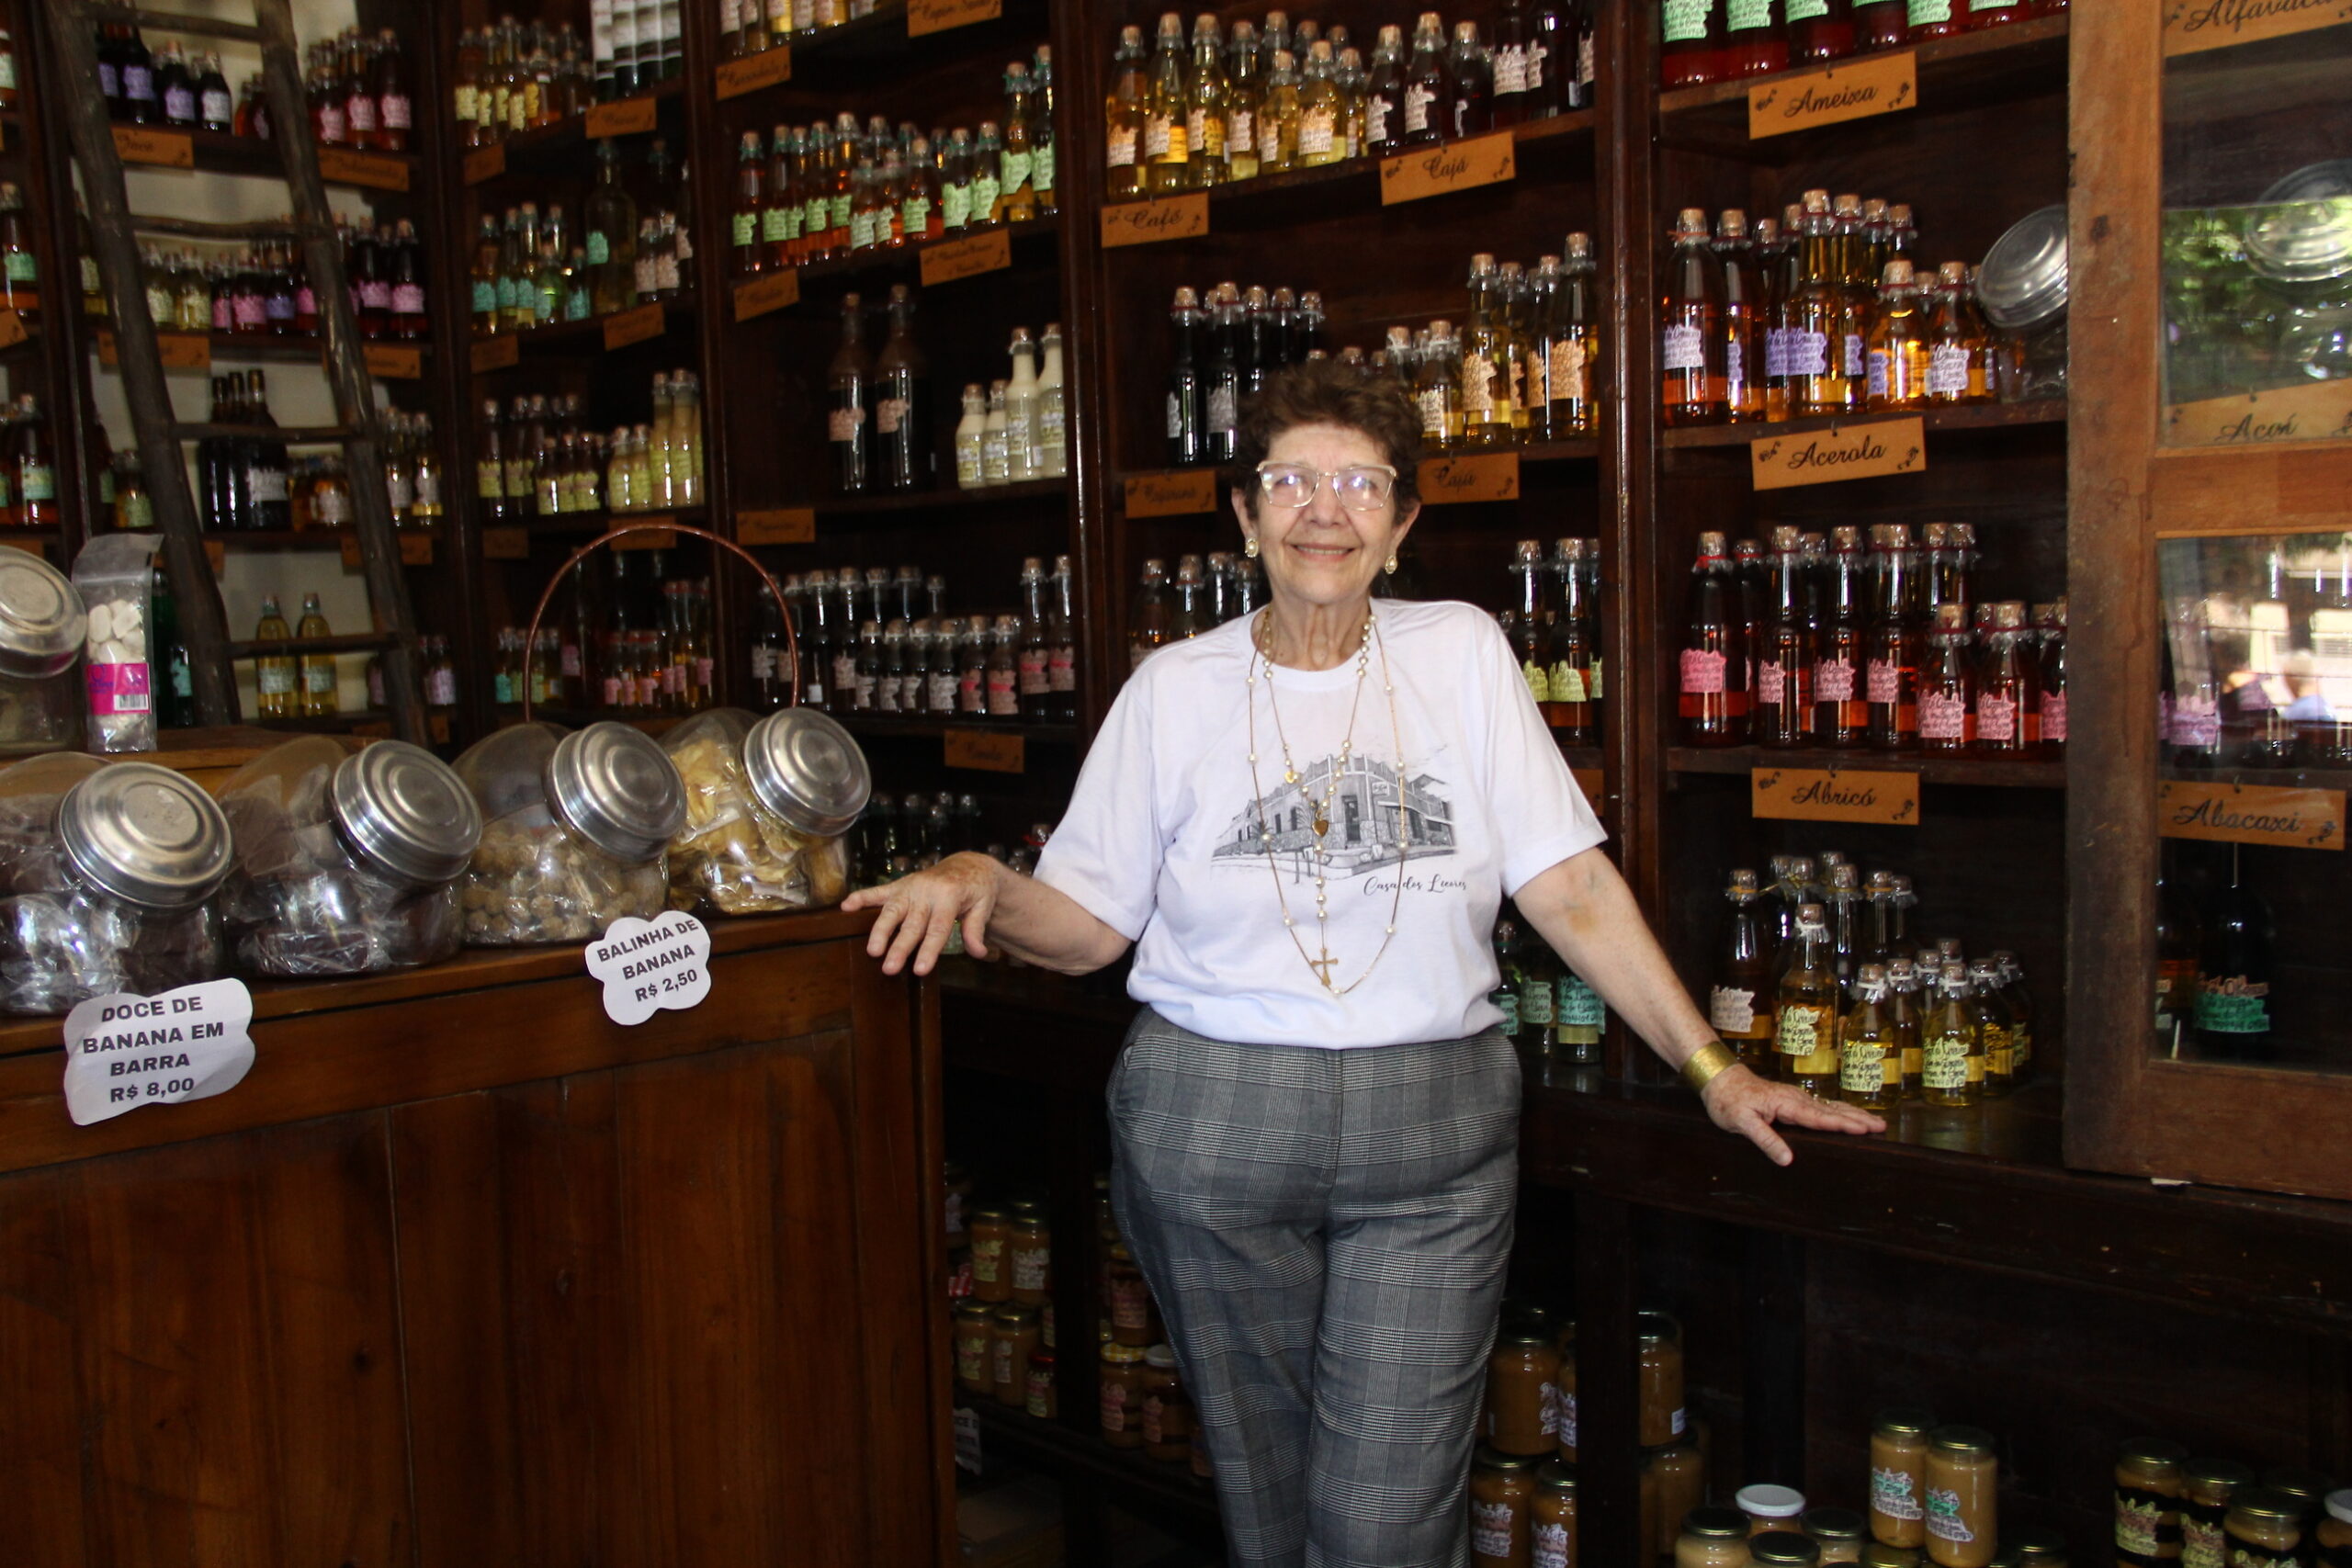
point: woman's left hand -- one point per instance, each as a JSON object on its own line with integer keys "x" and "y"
{"x": 1739, "y": 1101}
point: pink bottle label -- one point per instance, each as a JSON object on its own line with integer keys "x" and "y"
{"x": 1943, "y": 717}
{"x": 1702, "y": 672}
{"x": 2054, "y": 715}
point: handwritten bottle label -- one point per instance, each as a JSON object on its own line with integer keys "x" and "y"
{"x": 1490, "y": 1529}
{"x": 1997, "y": 721}
{"x": 1702, "y": 671}
{"x": 1684, "y": 349}
{"x": 1895, "y": 1493}
{"x": 1731, "y": 1010}
{"x": 2054, "y": 715}
{"x": 1942, "y": 716}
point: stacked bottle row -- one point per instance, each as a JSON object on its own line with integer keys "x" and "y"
{"x": 318, "y": 488}
{"x": 877, "y": 414}
{"x": 2172, "y": 1506}
{"x": 541, "y": 460}
{"x": 899, "y": 835}
{"x": 1205, "y": 594}
{"x": 868, "y": 645}
{"x": 28, "y": 467}
{"x": 810, "y": 195}
{"x": 535, "y": 269}
{"x": 267, "y": 290}
{"x": 288, "y": 685}
{"x": 1265, "y": 103}
{"x": 754, "y": 27}
{"x": 512, "y": 77}
{"x": 1819, "y": 983}
{"x": 1548, "y": 1010}
{"x": 633, "y": 634}
{"x": 1822, "y": 643}
{"x": 1001, "y": 1259}
{"x": 356, "y": 89}
{"x": 1724, "y": 40}
{"x": 1828, "y": 313}
{"x": 1555, "y": 629}
{"x": 2247, "y": 680}
{"x": 241, "y": 481}
{"x": 1223, "y": 344}
{"x": 1525, "y": 369}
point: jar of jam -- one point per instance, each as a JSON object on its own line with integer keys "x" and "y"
{"x": 1879, "y": 1554}
{"x": 1502, "y": 1488}
{"x": 1552, "y": 1516}
{"x": 1134, "y": 1320}
{"x": 2335, "y": 1532}
{"x": 2307, "y": 1487}
{"x": 1029, "y": 1247}
{"x": 1120, "y": 1391}
{"x": 1661, "y": 1379}
{"x": 1678, "y": 1476}
{"x": 973, "y": 1373}
{"x": 1013, "y": 1339}
{"x": 1962, "y": 1489}
{"x": 1042, "y": 1401}
{"x": 2147, "y": 1501}
{"x": 2206, "y": 1487}
{"x": 1167, "y": 1412}
{"x": 1839, "y": 1532}
{"x": 1565, "y": 1385}
{"x": 1783, "y": 1549}
{"x": 991, "y": 1229}
{"x": 1769, "y": 1507}
{"x": 2264, "y": 1529}
{"x": 1522, "y": 1394}
{"x": 1898, "y": 1471}
{"x": 1712, "y": 1538}
{"x": 2036, "y": 1547}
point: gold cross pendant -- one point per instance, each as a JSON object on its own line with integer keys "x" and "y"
{"x": 1322, "y": 967}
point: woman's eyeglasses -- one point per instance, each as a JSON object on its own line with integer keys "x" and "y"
{"x": 1362, "y": 487}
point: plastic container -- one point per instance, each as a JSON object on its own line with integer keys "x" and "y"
{"x": 42, "y": 628}
{"x": 108, "y": 873}
{"x": 767, "y": 803}
{"x": 114, "y": 574}
{"x": 347, "y": 859}
{"x": 574, "y": 824}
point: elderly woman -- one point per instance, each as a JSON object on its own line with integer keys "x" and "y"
{"x": 1305, "y": 820}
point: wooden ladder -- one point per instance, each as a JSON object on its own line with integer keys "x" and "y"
{"x": 114, "y": 228}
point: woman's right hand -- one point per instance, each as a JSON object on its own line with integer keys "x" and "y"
{"x": 918, "y": 911}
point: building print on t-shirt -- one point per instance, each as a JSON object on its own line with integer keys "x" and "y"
{"x": 1362, "y": 833}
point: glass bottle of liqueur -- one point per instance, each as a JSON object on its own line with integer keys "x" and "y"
{"x": 1061, "y": 645}
{"x": 1167, "y": 148}
{"x": 1187, "y": 424}
{"x": 1221, "y": 381}
{"x": 1806, "y": 1029}
{"x": 1818, "y": 319}
{"x": 1528, "y": 631}
{"x": 1489, "y": 359}
{"x": 1471, "y": 106}
{"x": 2050, "y": 680}
{"x": 2006, "y": 683}
{"x": 316, "y": 697}
{"x": 996, "y": 434}
{"x": 1690, "y": 42}
{"x": 1208, "y": 107}
{"x": 1690, "y": 346}
{"x": 1016, "y": 196}
{"x": 1881, "y": 24}
{"x": 902, "y": 449}
{"x": 1021, "y": 409}
{"x": 1573, "y": 671}
{"x": 1745, "y": 308}
{"x": 1785, "y": 276}
{"x": 1580, "y": 1017}
{"x": 1427, "y": 89}
{"x": 273, "y": 674}
{"x": 1150, "y": 617}
{"x": 1995, "y": 1027}
{"x": 1742, "y": 993}
{"x": 749, "y": 255}
{"x": 1437, "y": 389}
{"x": 1505, "y": 996}
{"x": 1819, "y": 30}
{"x": 1384, "y": 94}
{"x": 1053, "y": 406}
{"x": 1756, "y": 39}
{"x": 2010, "y": 978}
{"x": 987, "y": 175}
{"x": 1244, "y": 87}
{"x": 1506, "y": 67}
{"x": 1785, "y": 650}
{"x": 1908, "y": 1005}
{"x": 1891, "y": 676}
{"x": 1572, "y": 352}
{"x": 1899, "y": 362}
{"x": 2235, "y": 971}
{"x": 1278, "y": 115}
{"x": 1960, "y": 345}
{"x": 1951, "y": 1047}
{"x": 1932, "y": 20}
{"x": 1539, "y": 996}
{"x": 1870, "y": 1047}
{"x": 1947, "y": 684}
{"x": 1840, "y": 714}
{"x": 1124, "y": 112}
{"x": 1712, "y": 705}
{"x": 849, "y": 403}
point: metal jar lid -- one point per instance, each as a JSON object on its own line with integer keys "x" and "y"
{"x": 2301, "y": 236}
{"x": 615, "y": 788}
{"x": 808, "y": 770}
{"x": 41, "y": 620}
{"x": 146, "y": 835}
{"x": 2023, "y": 282}
{"x": 405, "y": 809}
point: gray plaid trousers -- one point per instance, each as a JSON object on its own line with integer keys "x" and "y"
{"x": 1326, "y": 1234}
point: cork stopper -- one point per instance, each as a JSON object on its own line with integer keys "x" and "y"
{"x": 2008, "y": 615}
{"x": 1733, "y": 224}
{"x": 1951, "y": 618}
{"x": 1580, "y": 247}
{"x": 1743, "y": 885}
{"x": 1951, "y": 275}
{"x": 1874, "y": 210}
{"x": 1186, "y": 299}
{"x": 1786, "y": 540}
{"x": 1690, "y": 220}
{"x": 1898, "y": 274}
{"x": 1848, "y": 207}
{"x": 1712, "y": 545}
{"x": 1817, "y": 201}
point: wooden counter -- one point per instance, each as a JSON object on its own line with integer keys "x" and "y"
{"x": 465, "y": 1273}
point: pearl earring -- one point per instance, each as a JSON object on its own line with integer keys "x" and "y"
{"x": 1392, "y": 565}
{"x": 1250, "y": 546}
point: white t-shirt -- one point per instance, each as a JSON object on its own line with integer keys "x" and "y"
{"x": 1161, "y": 841}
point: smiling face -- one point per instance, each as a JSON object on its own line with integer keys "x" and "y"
{"x": 1322, "y": 555}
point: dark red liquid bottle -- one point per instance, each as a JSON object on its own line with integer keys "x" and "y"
{"x": 1690, "y": 42}
{"x": 1713, "y": 703}
{"x": 1819, "y": 30}
{"x": 1756, "y": 39}
{"x": 1881, "y": 24}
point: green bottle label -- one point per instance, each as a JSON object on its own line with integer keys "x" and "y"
{"x": 2233, "y": 1007}
{"x": 771, "y": 224}
{"x": 485, "y": 296}
{"x": 1924, "y": 13}
{"x": 745, "y": 229}
{"x": 1041, "y": 169}
{"x": 1508, "y": 1001}
{"x": 1013, "y": 171}
{"x": 914, "y": 216}
{"x": 18, "y": 266}
{"x": 600, "y": 250}
{"x": 955, "y": 207}
{"x": 1686, "y": 20}
{"x": 1807, "y": 10}
{"x": 1746, "y": 16}
{"x": 1580, "y": 1006}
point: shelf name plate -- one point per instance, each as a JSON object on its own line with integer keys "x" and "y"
{"x": 495, "y": 353}
{"x": 30, "y": 546}
{"x": 1484, "y": 476}
{"x": 938, "y": 16}
{"x": 1846, "y": 452}
{"x": 1179, "y": 493}
{"x": 343, "y": 167}
{"x": 2256, "y": 419}
{"x": 768, "y": 68}
{"x": 647, "y": 533}
{"x": 1458, "y": 166}
{"x": 1878, "y": 83}
{"x": 505, "y": 544}
{"x": 623, "y": 117}
{"x": 623, "y": 328}
{"x": 2231, "y": 813}
{"x": 769, "y": 291}
{"x": 12, "y": 329}
{"x": 175, "y": 351}
{"x": 416, "y": 549}
{"x": 1834, "y": 795}
{"x": 776, "y": 526}
{"x": 1148, "y": 222}
{"x": 396, "y": 361}
{"x": 987, "y": 752}
{"x": 170, "y": 149}
{"x": 485, "y": 163}
{"x": 951, "y": 261}
{"x": 2192, "y": 27}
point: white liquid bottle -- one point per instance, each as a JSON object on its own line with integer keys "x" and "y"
{"x": 995, "y": 455}
{"x": 1020, "y": 409}
{"x": 1052, "y": 423}
{"x": 969, "y": 468}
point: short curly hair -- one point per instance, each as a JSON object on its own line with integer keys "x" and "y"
{"x": 1329, "y": 391}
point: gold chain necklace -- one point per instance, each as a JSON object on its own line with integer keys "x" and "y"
{"x": 1260, "y": 649}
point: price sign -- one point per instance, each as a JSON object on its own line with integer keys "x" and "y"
{"x": 340, "y": 166}
{"x": 949, "y": 261}
{"x": 505, "y": 544}
{"x": 776, "y": 526}
{"x": 1835, "y": 794}
{"x": 769, "y": 291}
{"x": 938, "y": 16}
{"x": 485, "y": 163}
{"x": 2316, "y": 410}
{"x": 125, "y": 1051}
{"x": 396, "y": 361}
{"x": 658, "y": 537}
{"x": 12, "y": 329}
{"x": 768, "y": 68}
{"x": 1457, "y": 166}
{"x": 628, "y": 116}
{"x": 986, "y": 751}
{"x": 2192, "y": 27}
{"x": 494, "y": 353}
{"x": 1148, "y": 222}
{"x": 175, "y": 351}
{"x": 416, "y": 549}
{"x": 1878, "y": 83}
{"x": 168, "y": 149}
{"x": 1176, "y": 494}
{"x": 624, "y": 327}
{"x": 2251, "y": 814}
{"x": 647, "y": 965}
{"x": 1847, "y": 452}
{"x": 1487, "y": 476}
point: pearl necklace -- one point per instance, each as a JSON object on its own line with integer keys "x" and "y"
{"x": 1260, "y": 648}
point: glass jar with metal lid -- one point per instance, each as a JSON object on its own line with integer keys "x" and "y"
{"x": 347, "y": 858}
{"x": 1014, "y": 1336}
{"x": 1963, "y": 1478}
{"x": 768, "y": 802}
{"x": 1676, "y": 1477}
{"x": 2022, "y": 290}
{"x": 1898, "y": 1476}
{"x": 574, "y": 826}
{"x": 1661, "y": 1379}
{"x": 1168, "y": 1415}
{"x": 1522, "y": 1408}
{"x": 2147, "y": 1500}
{"x": 2036, "y": 1546}
{"x": 975, "y": 1332}
{"x": 1712, "y": 1538}
{"x": 1783, "y": 1549}
{"x": 2333, "y": 1534}
{"x": 991, "y": 1238}
{"x": 1119, "y": 1391}
{"x": 1552, "y": 1516}
{"x": 1503, "y": 1489}
{"x": 1880, "y": 1554}
{"x": 2206, "y": 1487}
{"x": 1839, "y": 1532}
{"x": 42, "y": 628}
{"x": 2264, "y": 1529}
{"x": 2308, "y": 1488}
{"x": 1042, "y": 1400}
{"x": 108, "y": 871}
{"x": 1029, "y": 1251}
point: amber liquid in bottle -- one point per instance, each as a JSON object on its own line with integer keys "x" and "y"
{"x": 1869, "y": 1048}
{"x": 1818, "y": 319}
{"x": 1890, "y": 674}
{"x": 1995, "y": 1028}
{"x": 1898, "y": 348}
{"x": 1741, "y": 995}
{"x": 1947, "y": 684}
{"x": 1744, "y": 315}
{"x": 1784, "y": 653}
{"x": 1840, "y": 714}
{"x": 1952, "y": 1069}
{"x": 1690, "y": 327}
{"x": 1805, "y": 1032}
{"x": 2006, "y": 685}
{"x": 1714, "y": 661}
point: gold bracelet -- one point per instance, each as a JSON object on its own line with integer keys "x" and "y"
{"x": 1706, "y": 1063}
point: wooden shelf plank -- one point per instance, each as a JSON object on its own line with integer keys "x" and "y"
{"x": 1998, "y": 773}
{"x": 1977, "y": 417}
